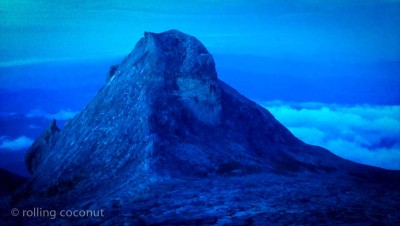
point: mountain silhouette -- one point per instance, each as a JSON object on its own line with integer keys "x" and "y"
{"x": 166, "y": 142}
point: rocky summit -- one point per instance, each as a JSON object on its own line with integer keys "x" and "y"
{"x": 166, "y": 142}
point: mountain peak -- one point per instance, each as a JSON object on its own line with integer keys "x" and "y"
{"x": 164, "y": 123}
{"x": 163, "y": 106}
{"x": 181, "y": 54}
{"x": 172, "y": 55}
{"x": 174, "y": 63}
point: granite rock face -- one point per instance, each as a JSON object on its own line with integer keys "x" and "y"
{"x": 164, "y": 123}
{"x": 163, "y": 112}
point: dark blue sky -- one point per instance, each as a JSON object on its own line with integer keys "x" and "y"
{"x": 47, "y": 30}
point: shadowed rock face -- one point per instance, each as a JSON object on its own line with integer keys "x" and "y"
{"x": 9, "y": 182}
{"x": 163, "y": 117}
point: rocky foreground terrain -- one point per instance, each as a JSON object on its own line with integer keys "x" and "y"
{"x": 165, "y": 142}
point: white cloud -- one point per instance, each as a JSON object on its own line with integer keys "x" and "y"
{"x": 313, "y": 135}
{"x": 383, "y": 157}
{"x": 362, "y": 133}
{"x": 61, "y": 115}
{"x": 19, "y": 143}
{"x": 64, "y": 115}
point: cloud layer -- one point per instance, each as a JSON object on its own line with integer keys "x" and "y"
{"x": 17, "y": 144}
{"x": 61, "y": 115}
{"x": 362, "y": 133}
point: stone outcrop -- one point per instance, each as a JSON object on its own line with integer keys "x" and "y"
{"x": 38, "y": 151}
